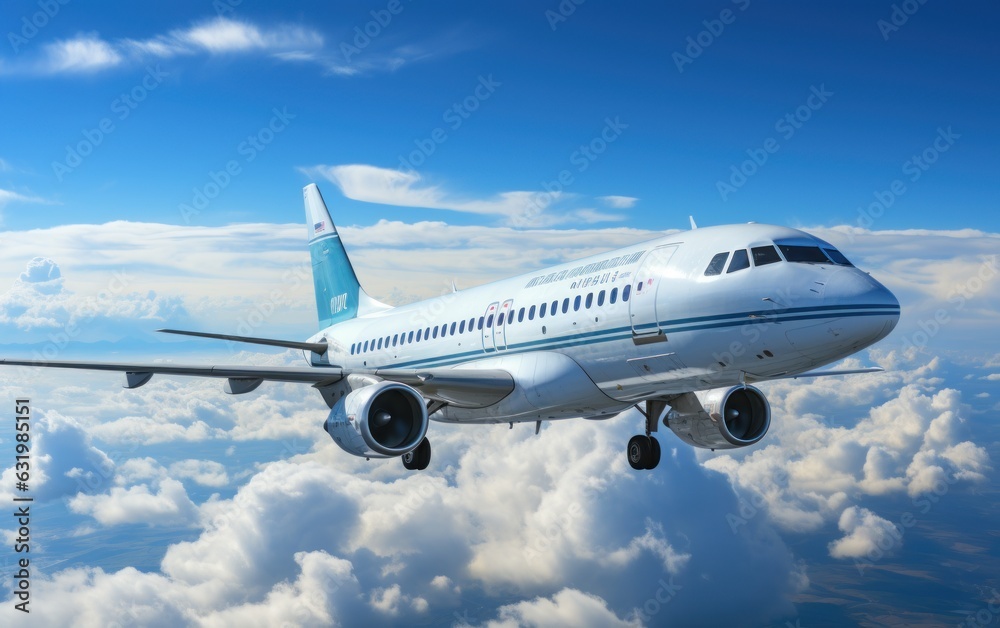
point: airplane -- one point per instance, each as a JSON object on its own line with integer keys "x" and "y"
{"x": 679, "y": 327}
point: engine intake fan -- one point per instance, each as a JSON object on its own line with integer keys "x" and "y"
{"x": 383, "y": 420}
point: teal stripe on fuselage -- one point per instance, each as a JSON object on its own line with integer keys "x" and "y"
{"x": 697, "y": 323}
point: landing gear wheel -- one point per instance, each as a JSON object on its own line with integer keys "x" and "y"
{"x": 418, "y": 458}
{"x": 638, "y": 452}
{"x": 643, "y": 452}
{"x": 654, "y": 453}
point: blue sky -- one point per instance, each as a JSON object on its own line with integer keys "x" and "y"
{"x": 871, "y": 496}
{"x": 685, "y": 129}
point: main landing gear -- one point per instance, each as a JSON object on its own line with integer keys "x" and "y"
{"x": 419, "y": 457}
{"x": 644, "y": 451}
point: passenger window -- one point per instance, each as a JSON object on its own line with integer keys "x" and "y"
{"x": 489, "y": 321}
{"x": 410, "y": 337}
{"x": 452, "y": 332}
{"x": 435, "y": 331}
{"x": 531, "y": 313}
{"x": 541, "y": 310}
{"x": 625, "y": 292}
{"x": 500, "y": 318}
{"x": 395, "y": 339}
{"x": 566, "y": 304}
{"x": 590, "y": 300}
{"x": 803, "y": 254}
{"x": 480, "y": 322}
{"x": 366, "y": 346}
{"x": 555, "y": 304}
{"x": 352, "y": 348}
{"x": 717, "y": 264}
{"x": 740, "y": 261}
{"x": 419, "y": 334}
{"x": 461, "y": 328}
{"x": 614, "y": 295}
{"x": 600, "y": 298}
{"x": 576, "y": 303}
{"x": 379, "y": 343}
{"x": 838, "y": 257}
{"x": 427, "y": 333}
{"x": 638, "y": 287}
{"x": 763, "y": 255}
{"x": 520, "y": 315}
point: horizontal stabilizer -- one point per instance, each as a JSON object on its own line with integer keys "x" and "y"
{"x": 318, "y": 348}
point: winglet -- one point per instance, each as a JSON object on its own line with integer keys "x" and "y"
{"x": 693, "y": 226}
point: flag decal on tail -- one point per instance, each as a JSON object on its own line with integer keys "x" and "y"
{"x": 320, "y": 226}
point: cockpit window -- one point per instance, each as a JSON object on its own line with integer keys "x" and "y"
{"x": 717, "y": 264}
{"x": 740, "y": 261}
{"x": 803, "y": 254}
{"x": 838, "y": 257}
{"x": 763, "y": 255}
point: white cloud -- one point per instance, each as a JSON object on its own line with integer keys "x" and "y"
{"x": 204, "y": 472}
{"x": 865, "y": 534}
{"x": 619, "y": 202}
{"x": 501, "y": 511}
{"x": 8, "y": 196}
{"x": 386, "y": 186}
{"x": 568, "y": 607}
{"x": 992, "y": 377}
{"x": 170, "y": 505}
{"x": 89, "y": 53}
{"x": 83, "y": 54}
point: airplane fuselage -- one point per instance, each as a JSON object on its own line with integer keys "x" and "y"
{"x": 647, "y": 320}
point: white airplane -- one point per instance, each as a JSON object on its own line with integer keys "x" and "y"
{"x": 682, "y": 325}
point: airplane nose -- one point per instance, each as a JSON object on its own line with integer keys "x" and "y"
{"x": 856, "y": 288}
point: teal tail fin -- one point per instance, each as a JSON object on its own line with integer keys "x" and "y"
{"x": 339, "y": 295}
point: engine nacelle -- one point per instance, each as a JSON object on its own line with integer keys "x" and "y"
{"x": 382, "y": 420}
{"x": 721, "y": 418}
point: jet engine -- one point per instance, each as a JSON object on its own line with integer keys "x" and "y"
{"x": 721, "y": 418}
{"x": 383, "y": 420}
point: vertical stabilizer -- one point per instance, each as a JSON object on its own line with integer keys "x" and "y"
{"x": 339, "y": 295}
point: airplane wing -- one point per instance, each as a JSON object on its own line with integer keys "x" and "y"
{"x": 829, "y": 373}
{"x": 467, "y": 388}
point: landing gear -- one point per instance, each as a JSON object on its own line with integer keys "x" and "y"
{"x": 419, "y": 457}
{"x": 643, "y": 452}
